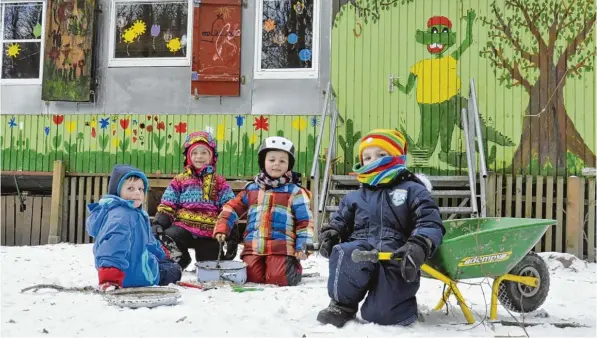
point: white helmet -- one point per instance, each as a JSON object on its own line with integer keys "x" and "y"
{"x": 276, "y": 143}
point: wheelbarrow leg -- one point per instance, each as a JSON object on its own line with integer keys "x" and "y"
{"x": 495, "y": 289}
{"x": 444, "y": 299}
{"x": 452, "y": 286}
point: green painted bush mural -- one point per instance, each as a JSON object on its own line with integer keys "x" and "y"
{"x": 95, "y": 143}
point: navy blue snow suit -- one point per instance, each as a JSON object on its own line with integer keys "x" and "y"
{"x": 383, "y": 219}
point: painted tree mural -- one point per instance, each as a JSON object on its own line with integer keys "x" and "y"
{"x": 539, "y": 44}
{"x": 370, "y": 9}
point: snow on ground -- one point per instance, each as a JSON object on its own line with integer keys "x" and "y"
{"x": 276, "y": 311}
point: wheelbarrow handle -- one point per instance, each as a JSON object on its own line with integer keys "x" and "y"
{"x": 371, "y": 256}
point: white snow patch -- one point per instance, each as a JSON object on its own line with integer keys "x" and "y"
{"x": 273, "y": 312}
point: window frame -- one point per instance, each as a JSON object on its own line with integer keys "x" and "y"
{"x": 114, "y": 62}
{"x": 37, "y": 81}
{"x": 287, "y": 73}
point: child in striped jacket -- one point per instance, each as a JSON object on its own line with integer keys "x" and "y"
{"x": 190, "y": 205}
{"x": 279, "y": 218}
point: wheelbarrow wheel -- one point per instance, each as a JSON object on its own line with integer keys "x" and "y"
{"x": 523, "y": 298}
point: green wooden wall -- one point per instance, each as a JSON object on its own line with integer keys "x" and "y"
{"x": 536, "y": 91}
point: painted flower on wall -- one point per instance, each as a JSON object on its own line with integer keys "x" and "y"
{"x": 220, "y": 133}
{"x": 299, "y": 123}
{"x": 161, "y": 125}
{"x": 314, "y": 121}
{"x": 58, "y": 119}
{"x": 47, "y": 131}
{"x": 253, "y": 139}
{"x": 180, "y": 127}
{"x": 124, "y": 123}
{"x": 71, "y": 126}
{"x": 12, "y": 123}
{"x": 104, "y": 122}
{"x": 240, "y": 120}
{"x": 261, "y": 123}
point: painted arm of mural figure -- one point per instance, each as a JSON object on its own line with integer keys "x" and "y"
{"x": 468, "y": 40}
{"x": 412, "y": 78}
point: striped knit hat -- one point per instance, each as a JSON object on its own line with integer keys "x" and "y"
{"x": 199, "y": 138}
{"x": 389, "y": 140}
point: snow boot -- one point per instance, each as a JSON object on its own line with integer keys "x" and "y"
{"x": 337, "y": 314}
{"x": 175, "y": 254}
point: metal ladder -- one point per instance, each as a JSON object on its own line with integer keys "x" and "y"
{"x": 334, "y": 187}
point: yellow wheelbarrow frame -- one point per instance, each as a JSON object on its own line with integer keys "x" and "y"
{"x": 452, "y": 288}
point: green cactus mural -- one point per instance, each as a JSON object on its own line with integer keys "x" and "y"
{"x": 348, "y": 143}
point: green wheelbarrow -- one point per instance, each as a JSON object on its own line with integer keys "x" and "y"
{"x": 498, "y": 248}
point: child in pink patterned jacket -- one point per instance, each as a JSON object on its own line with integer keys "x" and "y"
{"x": 190, "y": 205}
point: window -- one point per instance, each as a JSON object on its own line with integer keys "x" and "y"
{"x": 287, "y": 39}
{"x": 22, "y": 25}
{"x": 150, "y": 33}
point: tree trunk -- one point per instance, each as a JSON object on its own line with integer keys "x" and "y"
{"x": 548, "y": 134}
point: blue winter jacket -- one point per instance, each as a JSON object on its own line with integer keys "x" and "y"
{"x": 386, "y": 217}
{"x": 123, "y": 240}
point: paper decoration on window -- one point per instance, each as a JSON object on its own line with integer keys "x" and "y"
{"x": 13, "y": 50}
{"x": 292, "y": 38}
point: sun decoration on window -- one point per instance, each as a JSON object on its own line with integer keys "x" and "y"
{"x": 13, "y": 50}
{"x": 269, "y": 25}
{"x": 129, "y": 35}
{"x": 174, "y": 45}
{"x": 139, "y": 27}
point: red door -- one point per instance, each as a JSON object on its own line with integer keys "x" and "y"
{"x": 216, "y": 48}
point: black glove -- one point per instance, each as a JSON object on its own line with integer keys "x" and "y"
{"x": 413, "y": 254}
{"x": 157, "y": 230}
{"x": 327, "y": 239}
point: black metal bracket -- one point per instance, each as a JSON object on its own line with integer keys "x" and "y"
{"x": 22, "y": 206}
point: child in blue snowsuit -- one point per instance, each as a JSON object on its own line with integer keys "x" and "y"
{"x": 393, "y": 211}
{"x": 126, "y": 253}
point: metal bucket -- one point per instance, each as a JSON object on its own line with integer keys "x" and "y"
{"x": 232, "y": 271}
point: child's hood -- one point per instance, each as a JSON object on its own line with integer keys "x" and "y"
{"x": 426, "y": 182}
{"x": 98, "y": 212}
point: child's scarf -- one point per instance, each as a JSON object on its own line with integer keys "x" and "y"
{"x": 266, "y": 182}
{"x": 206, "y": 175}
{"x": 381, "y": 171}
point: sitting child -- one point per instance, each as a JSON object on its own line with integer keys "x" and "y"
{"x": 126, "y": 254}
{"x": 391, "y": 211}
{"x": 279, "y": 219}
{"x": 190, "y": 205}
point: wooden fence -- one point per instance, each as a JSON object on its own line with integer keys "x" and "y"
{"x": 569, "y": 200}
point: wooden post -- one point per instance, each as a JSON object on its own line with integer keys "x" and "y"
{"x": 57, "y": 195}
{"x": 574, "y": 217}
{"x": 490, "y": 194}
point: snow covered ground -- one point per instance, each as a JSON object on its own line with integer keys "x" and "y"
{"x": 275, "y": 311}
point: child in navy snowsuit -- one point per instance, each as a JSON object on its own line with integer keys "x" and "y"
{"x": 126, "y": 254}
{"x": 393, "y": 211}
